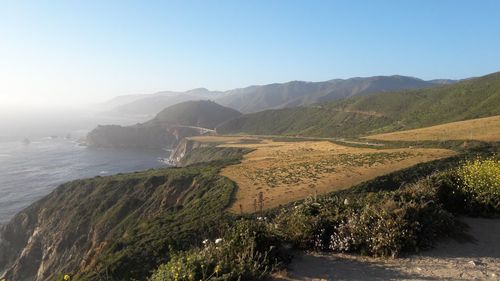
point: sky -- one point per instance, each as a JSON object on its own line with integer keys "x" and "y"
{"x": 71, "y": 52}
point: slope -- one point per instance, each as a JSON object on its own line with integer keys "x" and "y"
{"x": 481, "y": 129}
{"x": 123, "y": 225}
{"x": 376, "y": 113}
{"x": 299, "y": 93}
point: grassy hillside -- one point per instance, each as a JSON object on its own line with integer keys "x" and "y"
{"x": 206, "y": 114}
{"x": 123, "y": 225}
{"x": 480, "y": 129}
{"x": 377, "y": 113}
{"x": 300, "y": 93}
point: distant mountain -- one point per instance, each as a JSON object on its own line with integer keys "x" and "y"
{"x": 299, "y": 93}
{"x": 205, "y": 114}
{"x": 171, "y": 125}
{"x": 153, "y": 103}
{"x": 377, "y": 113}
{"x": 273, "y": 96}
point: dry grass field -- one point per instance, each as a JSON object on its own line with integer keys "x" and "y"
{"x": 289, "y": 171}
{"x": 482, "y": 129}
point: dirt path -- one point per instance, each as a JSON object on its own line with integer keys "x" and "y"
{"x": 340, "y": 140}
{"x": 451, "y": 260}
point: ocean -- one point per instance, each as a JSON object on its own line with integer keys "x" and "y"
{"x": 31, "y": 171}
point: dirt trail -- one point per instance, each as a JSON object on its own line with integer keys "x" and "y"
{"x": 450, "y": 260}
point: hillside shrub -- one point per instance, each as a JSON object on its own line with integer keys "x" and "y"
{"x": 474, "y": 187}
{"x": 377, "y": 224}
{"x": 247, "y": 252}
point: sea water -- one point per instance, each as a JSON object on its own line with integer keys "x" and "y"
{"x": 29, "y": 171}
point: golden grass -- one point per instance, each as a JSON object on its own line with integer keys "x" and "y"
{"x": 482, "y": 129}
{"x": 289, "y": 171}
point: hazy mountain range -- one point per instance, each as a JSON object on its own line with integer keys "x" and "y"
{"x": 272, "y": 96}
{"x": 354, "y": 112}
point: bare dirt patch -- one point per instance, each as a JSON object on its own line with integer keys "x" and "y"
{"x": 478, "y": 259}
{"x": 482, "y": 129}
{"x": 287, "y": 171}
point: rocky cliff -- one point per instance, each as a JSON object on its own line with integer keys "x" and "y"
{"x": 190, "y": 152}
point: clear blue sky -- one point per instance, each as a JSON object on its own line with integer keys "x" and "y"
{"x": 93, "y": 50}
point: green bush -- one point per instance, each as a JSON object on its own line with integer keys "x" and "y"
{"x": 472, "y": 188}
{"x": 378, "y": 224}
{"x": 247, "y": 252}
{"x": 478, "y": 181}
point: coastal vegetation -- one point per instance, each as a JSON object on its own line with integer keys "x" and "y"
{"x": 120, "y": 226}
{"x": 173, "y": 224}
{"x": 238, "y": 206}
{"x": 392, "y": 215}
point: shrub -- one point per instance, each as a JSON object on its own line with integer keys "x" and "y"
{"x": 478, "y": 181}
{"x": 378, "y": 224}
{"x": 245, "y": 253}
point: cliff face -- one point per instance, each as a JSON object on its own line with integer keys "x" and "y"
{"x": 190, "y": 152}
{"x": 185, "y": 147}
{"x": 123, "y": 225}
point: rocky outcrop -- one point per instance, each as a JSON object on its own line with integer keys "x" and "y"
{"x": 190, "y": 152}
{"x": 185, "y": 147}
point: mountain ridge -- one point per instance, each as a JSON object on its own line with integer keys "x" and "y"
{"x": 294, "y": 93}
{"x": 376, "y": 113}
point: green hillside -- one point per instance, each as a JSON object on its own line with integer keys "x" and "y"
{"x": 123, "y": 225}
{"x": 300, "y": 93}
{"x": 375, "y": 113}
{"x": 204, "y": 113}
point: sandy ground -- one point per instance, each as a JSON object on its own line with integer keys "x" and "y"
{"x": 483, "y": 129}
{"x": 478, "y": 259}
